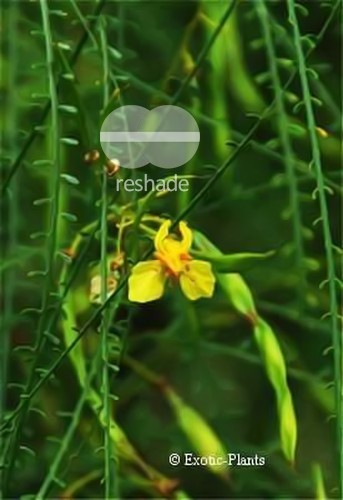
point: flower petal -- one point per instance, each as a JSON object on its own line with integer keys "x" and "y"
{"x": 197, "y": 280}
{"x": 146, "y": 282}
{"x": 161, "y": 235}
{"x": 187, "y": 237}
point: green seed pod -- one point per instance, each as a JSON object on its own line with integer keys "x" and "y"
{"x": 276, "y": 370}
{"x": 203, "y": 439}
{"x": 238, "y": 293}
{"x": 318, "y": 481}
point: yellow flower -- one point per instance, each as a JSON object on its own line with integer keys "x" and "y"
{"x": 173, "y": 261}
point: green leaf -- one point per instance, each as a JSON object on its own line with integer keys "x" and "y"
{"x": 37, "y": 95}
{"x": 39, "y": 234}
{"x": 285, "y": 62}
{"x": 316, "y": 101}
{"x": 114, "y": 53}
{"x": 41, "y": 129}
{"x": 262, "y": 77}
{"x": 68, "y": 76}
{"x": 257, "y": 44}
{"x": 301, "y": 9}
{"x": 42, "y": 163}
{"x": 235, "y": 262}
{"x": 296, "y": 129}
{"x": 58, "y": 13}
{"x": 34, "y": 274}
{"x": 70, "y": 179}
{"x": 69, "y": 217}
{"x": 68, "y": 109}
{"x": 69, "y": 141}
{"x": 64, "y": 46}
{"x": 41, "y": 201}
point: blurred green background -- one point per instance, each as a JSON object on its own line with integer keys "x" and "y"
{"x": 65, "y": 65}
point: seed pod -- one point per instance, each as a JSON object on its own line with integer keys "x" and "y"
{"x": 318, "y": 481}
{"x": 92, "y": 156}
{"x": 238, "y": 294}
{"x": 204, "y": 440}
{"x": 276, "y": 370}
{"x": 240, "y": 297}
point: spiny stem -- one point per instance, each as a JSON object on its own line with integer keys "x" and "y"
{"x": 11, "y": 223}
{"x": 52, "y": 228}
{"x": 318, "y": 85}
{"x": 287, "y": 149}
{"x": 34, "y": 132}
{"x": 67, "y": 438}
{"x": 331, "y": 271}
{"x": 110, "y": 474}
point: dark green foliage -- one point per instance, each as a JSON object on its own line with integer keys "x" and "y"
{"x": 96, "y": 391}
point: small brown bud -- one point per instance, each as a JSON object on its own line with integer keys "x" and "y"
{"x": 117, "y": 262}
{"x": 69, "y": 252}
{"x": 92, "y": 156}
{"x": 112, "y": 166}
{"x": 166, "y": 486}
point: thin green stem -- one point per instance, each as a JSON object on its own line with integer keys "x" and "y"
{"x": 288, "y": 153}
{"x": 205, "y": 50}
{"x": 34, "y": 132}
{"x": 110, "y": 474}
{"x": 68, "y": 436}
{"x": 329, "y": 252}
{"x": 321, "y": 89}
{"x": 11, "y": 222}
{"x": 52, "y": 234}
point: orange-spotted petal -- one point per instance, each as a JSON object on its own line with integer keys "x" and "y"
{"x": 197, "y": 280}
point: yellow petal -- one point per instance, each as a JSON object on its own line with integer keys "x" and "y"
{"x": 197, "y": 280}
{"x": 146, "y": 282}
{"x": 161, "y": 235}
{"x": 187, "y": 237}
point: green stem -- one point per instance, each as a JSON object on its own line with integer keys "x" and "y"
{"x": 287, "y": 149}
{"x": 110, "y": 479}
{"x": 320, "y": 87}
{"x": 10, "y": 221}
{"x": 52, "y": 236}
{"x": 205, "y": 50}
{"x": 67, "y": 438}
{"x": 329, "y": 252}
{"x": 34, "y": 132}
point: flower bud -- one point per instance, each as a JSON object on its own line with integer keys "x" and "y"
{"x": 92, "y": 156}
{"x": 112, "y": 167}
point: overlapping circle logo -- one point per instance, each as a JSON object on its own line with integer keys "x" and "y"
{"x": 166, "y": 136}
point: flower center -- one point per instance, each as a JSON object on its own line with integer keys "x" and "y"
{"x": 173, "y": 263}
